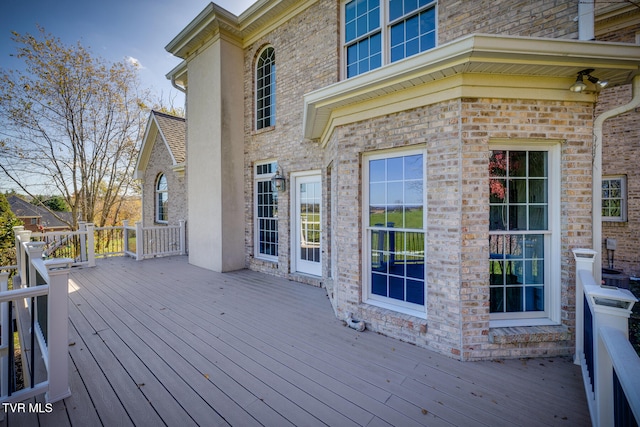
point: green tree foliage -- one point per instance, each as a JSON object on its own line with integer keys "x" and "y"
{"x": 53, "y": 203}
{"x": 7, "y": 240}
{"x": 71, "y": 123}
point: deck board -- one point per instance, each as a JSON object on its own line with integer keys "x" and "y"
{"x": 163, "y": 342}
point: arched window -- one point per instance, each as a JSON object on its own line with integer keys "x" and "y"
{"x": 266, "y": 89}
{"x": 162, "y": 196}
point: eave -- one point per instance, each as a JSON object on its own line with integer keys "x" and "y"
{"x": 262, "y": 17}
{"x": 477, "y": 65}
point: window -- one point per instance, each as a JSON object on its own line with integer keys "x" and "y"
{"x": 614, "y": 198}
{"x": 266, "y": 212}
{"x": 162, "y": 197}
{"x": 378, "y": 32}
{"x": 395, "y": 230}
{"x": 266, "y": 89}
{"x": 524, "y": 275}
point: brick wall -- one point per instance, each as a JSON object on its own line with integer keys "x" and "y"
{"x": 621, "y": 149}
{"x": 456, "y": 134}
{"x": 303, "y": 64}
{"x": 160, "y": 162}
{"x": 545, "y": 18}
{"x": 620, "y": 153}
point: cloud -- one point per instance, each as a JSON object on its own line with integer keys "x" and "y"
{"x": 134, "y": 61}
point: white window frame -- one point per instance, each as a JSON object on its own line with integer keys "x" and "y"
{"x": 272, "y": 96}
{"x": 157, "y": 193}
{"x": 553, "y": 283}
{"x": 294, "y": 211}
{"x": 263, "y": 177}
{"x": 385, "y": 33}
{"x": 623, "y": 198}
{"x": 367, "y": 296}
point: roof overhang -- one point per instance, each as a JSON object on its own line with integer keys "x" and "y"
{"x": 263, "y": 16}
{"x": 148, "y": 140}
{"x": 477, "y": 65}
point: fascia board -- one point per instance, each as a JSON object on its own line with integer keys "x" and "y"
{"x": 457, "y": 57}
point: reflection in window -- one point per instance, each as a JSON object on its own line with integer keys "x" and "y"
{"x": 614, "y": 198}
{"x": 266, "y": 228}
{"x": 266, "y": 89}
{"x": 519, "y": 205}
{"x": 162, "y": 198}
{"x": 406, "y": 27}
{"x": 396, "y": 229}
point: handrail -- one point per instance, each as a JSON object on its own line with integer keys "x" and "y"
{"x": 39, "y": 278}
{"x": 610, "y": 365}
{"x": 626, "y": 364}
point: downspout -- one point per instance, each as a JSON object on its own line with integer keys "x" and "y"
{"x": 597, "y": 171}
{"x": 174, "y": 84}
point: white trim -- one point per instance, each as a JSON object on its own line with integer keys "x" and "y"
{"x": 553, "y": 248}
{"x": 256, "y": 224}
{"x": 272, "y": 98}
{"x": 295, "y": 178}
{"x": 623, "y": 198}
{"x": 156, "y": 200}
{"x": 367, "y": 296}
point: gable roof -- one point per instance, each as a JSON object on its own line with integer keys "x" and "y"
{"x": 23, "y": 209}
{"x": 172, "y": 130}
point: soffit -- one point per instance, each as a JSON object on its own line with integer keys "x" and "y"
{"x": 214, "y": 20}
{"x": 481, "y": 55}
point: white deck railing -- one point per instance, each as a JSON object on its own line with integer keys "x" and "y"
{"x": 610, "y": 365}
{"x": 89, "y": 242}
{"x": 40, "y": 289}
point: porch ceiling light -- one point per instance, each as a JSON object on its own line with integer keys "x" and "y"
{"x": 279, "y": 181}
{"x": 579, "y": 85}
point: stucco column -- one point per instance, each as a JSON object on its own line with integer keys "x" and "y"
{"x": 215, "y": 156}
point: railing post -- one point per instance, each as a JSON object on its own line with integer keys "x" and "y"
{"x": 91, "y": 245}
{"x": 611, "y": 307}
{"x": 125, "y": 236}
{"x": 16, "y": 231}
{"x": 23, "y": 236}
{"x": 139, "y": 241}
{"x": 584, "y": 262}
{"x": 82, "y": 227}
{"x": 58, "y": 329}
{"x": 6, "y": 334}
{"x": 183, "y": 239}
{"x": 35, "y": 252}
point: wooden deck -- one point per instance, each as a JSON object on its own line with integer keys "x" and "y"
{"x": 160, "y": 342}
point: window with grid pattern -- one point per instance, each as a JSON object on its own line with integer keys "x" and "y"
{"x": 266, "y": 89}
{"x": 266, "y": 212}
{"x": 377, "y": 32}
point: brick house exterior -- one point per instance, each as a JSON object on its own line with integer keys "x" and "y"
{"x": 438, "y": 196}
{"x": 162, "y": 153}
{"x": 621, "y": 145}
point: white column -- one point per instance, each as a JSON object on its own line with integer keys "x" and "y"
{"x": 183, "y": 240}
{"x": 611, "y": 308}
{"x": 58, "y": 329}
{"x": 139, "y": 241}
{"x": 82, "y": 227}
{"x": 91, "y": 244}
{"x": 125, "y": 236}
{"x": 584, "y": 262}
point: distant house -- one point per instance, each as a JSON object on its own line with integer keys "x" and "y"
{"x": 440, "y": 158}
{"x": 161, "y": 170}
{"x": 37, "y": 218}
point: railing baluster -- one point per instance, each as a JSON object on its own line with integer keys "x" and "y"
{"x": 10, "y": 376}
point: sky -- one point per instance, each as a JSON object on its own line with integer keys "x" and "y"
{"x": 135, "y": 30}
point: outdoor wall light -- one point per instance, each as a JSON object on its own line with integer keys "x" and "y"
{"x": 279, "y": 181}
{"x": 579, "y": 85}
